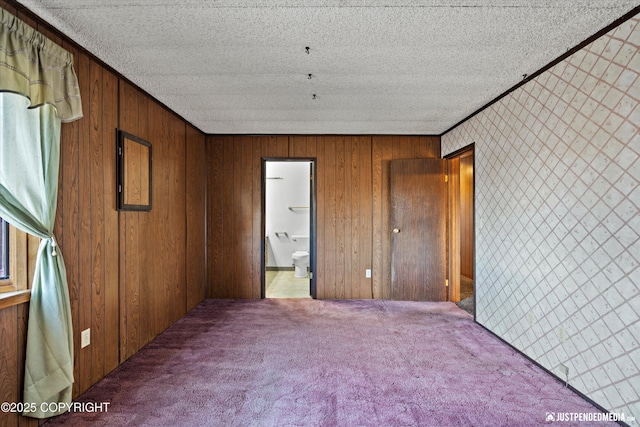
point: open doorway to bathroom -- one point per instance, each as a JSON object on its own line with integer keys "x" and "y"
{"x": 289, "y": 228}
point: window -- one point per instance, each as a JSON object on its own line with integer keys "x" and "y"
{"x": 17, "y": 249}
{"x": 16, "y": 264}
{"x": 14, "y": 260}
{"x": 4, "y": 250}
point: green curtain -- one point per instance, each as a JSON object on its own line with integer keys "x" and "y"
{"x": 33, "y": 65}
{"x": 29, "y": 159}
{"x": 38, "y": 90}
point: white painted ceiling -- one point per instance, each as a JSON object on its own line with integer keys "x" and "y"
{"x": 378, "y": 67}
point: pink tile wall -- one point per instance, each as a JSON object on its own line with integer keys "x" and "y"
{"x": 558, "y": 217}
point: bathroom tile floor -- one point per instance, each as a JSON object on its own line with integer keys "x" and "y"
{"x": 283, "y": 284}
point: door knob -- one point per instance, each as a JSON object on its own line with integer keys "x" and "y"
{"x": 396, "y": 230}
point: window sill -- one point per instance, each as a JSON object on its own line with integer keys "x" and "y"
{"x": 9, "y": 299}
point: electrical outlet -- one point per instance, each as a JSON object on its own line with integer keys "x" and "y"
{"x": 367, "y": 273}
{"x": 531, "y": 318}
{"x": 565, "y": 370}
{"x": 85, "y": 338}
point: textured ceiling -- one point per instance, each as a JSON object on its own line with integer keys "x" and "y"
{"x": 378, "y": 67}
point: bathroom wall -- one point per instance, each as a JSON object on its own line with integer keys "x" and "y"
{"x": 292, "y": 190}
{"x": 557, "y": 218}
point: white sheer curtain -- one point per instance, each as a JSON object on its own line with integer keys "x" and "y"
{"x": 38, "y": 90}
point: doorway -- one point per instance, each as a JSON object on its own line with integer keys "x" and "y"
{"x": 462, "y": 235}
{"x": 432, "y": 229}
{"x": 288, "y": 214}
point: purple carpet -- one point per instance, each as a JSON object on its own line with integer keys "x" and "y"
{"x": 327, "y": 363}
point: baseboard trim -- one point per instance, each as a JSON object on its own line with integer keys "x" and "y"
{"x": 560, "y": 380}
{"x": 280, "y": 268}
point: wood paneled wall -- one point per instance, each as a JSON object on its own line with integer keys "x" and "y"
{"x": 234, "y": 165}
{"x": 13, "y": 339}
{"x": 87, "y": 222}
{"x": 195, "y": 210}
{"x": 352, "y": 186}
{"x": 128, "y": 270}
{"x": 385, "y": 149}
{"x": 130, "y": 274}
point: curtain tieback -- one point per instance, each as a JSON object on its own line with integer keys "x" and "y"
{"x": 53, "y": 245}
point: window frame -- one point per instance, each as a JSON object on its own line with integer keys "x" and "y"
{"x": 17, "y": 283}
{"x": 4, "y": 242}
{"x": 15, "y": 290}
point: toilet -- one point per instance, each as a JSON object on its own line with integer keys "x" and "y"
{"x": 300, "y": 263}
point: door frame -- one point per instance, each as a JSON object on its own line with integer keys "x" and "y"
{"x": 312, "y": 221}
{"x": 453, "y": 170}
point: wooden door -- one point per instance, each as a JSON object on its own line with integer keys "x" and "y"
{"x": 418, "y": 229}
